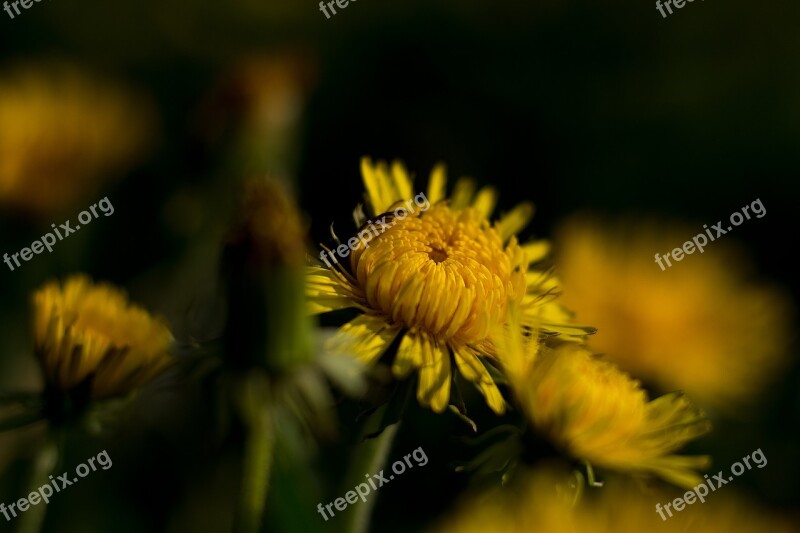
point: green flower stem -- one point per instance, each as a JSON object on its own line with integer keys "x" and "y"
{"x": 368, "y": 458}
{"x": 288, "y": 329}
{"x": 257, "y": 465}
{"x": 43, "y": 464}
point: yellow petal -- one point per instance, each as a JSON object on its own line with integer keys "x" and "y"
{"x": 485, "y": 201}
{"x": 365, "y": 338}
{"x": 536, "y": 251}
{"x": 375, "y": 181}
{"x": 385, "y": 186}
{"x": 515, "y": 220}
{"x": 409, "y": 355}
{"x": 473, "y": 370}
{"x": 436, "y": 186}
{"x": 402, "y": 183}
{"x": 462, "y": 193}
{"x": 680, "y": 470}
{"x": 541, "y": 280}
{"x": 434, "y": 376}
{"x": 325, "y": 293}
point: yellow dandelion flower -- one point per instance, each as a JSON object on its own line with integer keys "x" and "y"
{"x": 597, "y": 413}
{"x": 541, "y": 503}
{"x": 720, "y": 513}
{"x": 697, "y": 326}
{"x": 438, "y": 275}
{"x": 87, "y": 331}
{"x": 545, "y": 501}
{"x": 61, "y": 133}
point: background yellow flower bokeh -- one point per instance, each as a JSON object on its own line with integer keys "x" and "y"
{"x": 702, "y": 326}
{"x": 63, "y": 133}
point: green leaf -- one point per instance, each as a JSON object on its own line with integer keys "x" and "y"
{"x": 368, "y": 457}
{"x": 391, "y": 412}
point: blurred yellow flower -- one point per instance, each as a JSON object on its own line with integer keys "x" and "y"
{"x": 270, "y": 224}
{"x": 540, "y": 502}
{"x": 439, "y": 276}
{"x": 545, "y": 502}
{"x": 699, "y": 326}
{"x": 87, "y": 331}
{"x": 61, "y": 134}
{"x": 598, "y": 414}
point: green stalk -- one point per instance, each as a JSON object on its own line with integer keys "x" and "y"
{"x": 369, "y": 457}
{"x": 32, "y": 520}
{"x": 259, "y": 449}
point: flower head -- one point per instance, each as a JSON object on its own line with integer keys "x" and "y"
{"x": 698, "y": 326}
{"x": 545, "y": 501}
{"x": 599, "y": 414}
{"x": 89, "y": 334}
{"x": 61, "y": 133}
{"x": 439, "y": 275}
{"x": 270, "y": 225}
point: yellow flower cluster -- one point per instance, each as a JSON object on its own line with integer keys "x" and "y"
{"x": 90, "y": 332}
{"x": 456, "y": 288}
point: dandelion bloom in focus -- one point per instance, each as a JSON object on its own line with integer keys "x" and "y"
{"x": 545, "y": 502}
{"x": 89, "y": 335}
{"x": 62, "y": 133}
{"x": 597, "y": 413}
{"x": 439, "y": 278}
{"x": 698, "y": 326}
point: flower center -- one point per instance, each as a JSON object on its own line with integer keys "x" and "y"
{"x": 445, "y": 272}
{"x": 437, "y": 255}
